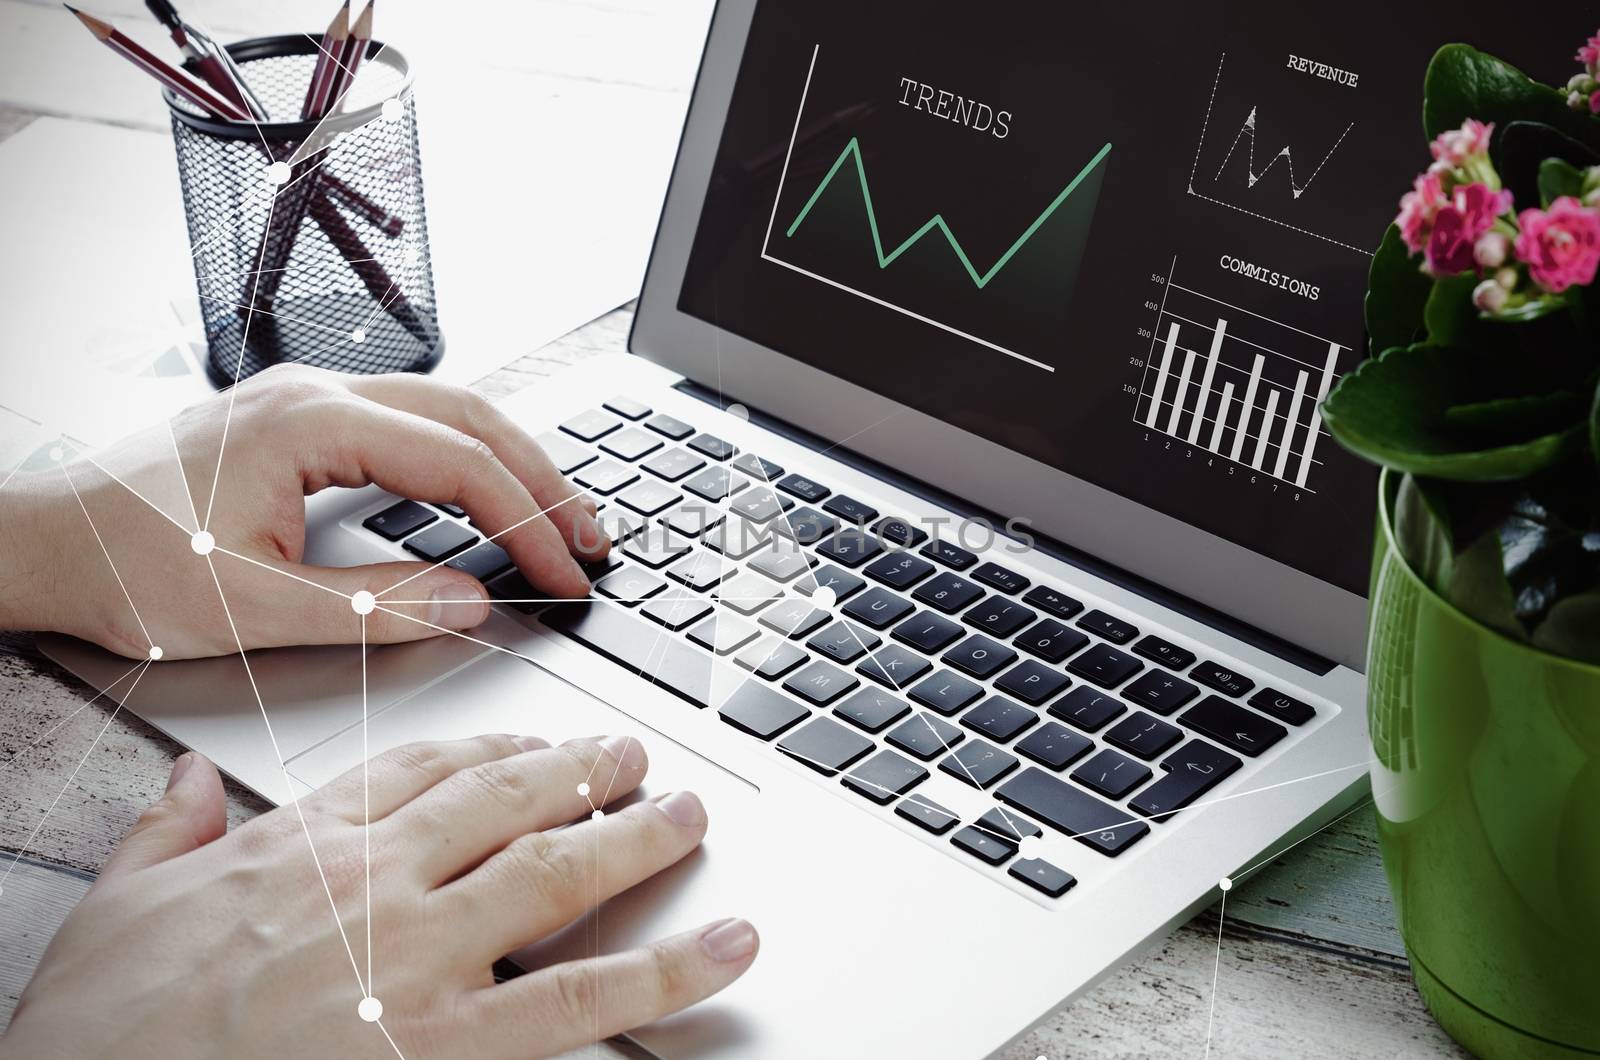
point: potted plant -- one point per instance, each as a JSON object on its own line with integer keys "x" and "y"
{"x": 1482, "y": 404}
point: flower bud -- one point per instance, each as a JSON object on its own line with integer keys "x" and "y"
{"x": 1490, "y": 297}
{"x": 1490, "y": 250}
{"x": 1507, "y": 278}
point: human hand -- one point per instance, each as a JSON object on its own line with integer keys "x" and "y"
{"x": 195, "y": 944}
{"x": 282, "y": 435}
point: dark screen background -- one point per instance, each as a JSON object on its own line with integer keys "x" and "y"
{"x": 1193, "y": 103}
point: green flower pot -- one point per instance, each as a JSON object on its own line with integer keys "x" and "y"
{"x": 1486, "y": 775}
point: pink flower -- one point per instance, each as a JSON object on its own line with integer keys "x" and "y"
{"x": 1418, "y": 208}
{"x": 1594, "y": 102}
{"x": 1561, "y": 245}
{"x": 1589, "y": 55}
{"x": 1456, "y": 146}
{"x": 1471, "y": 211}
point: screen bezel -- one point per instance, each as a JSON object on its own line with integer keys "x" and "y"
{"x": 1289, "y": 603}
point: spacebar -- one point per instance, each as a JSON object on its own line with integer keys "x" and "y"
{"x": 643, "y": 647}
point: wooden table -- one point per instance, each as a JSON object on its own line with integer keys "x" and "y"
{"x": 1309, "y": 962}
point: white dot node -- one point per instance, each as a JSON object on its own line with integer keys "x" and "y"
{"x": 363, "y": 602}
{"x": 202, "y": 542}
{"x": 583, "y": 789}
{"x": 596, "y": 815}
{"x": 370, "y": 1009}
{"x": 1225, "y": 883}
{"x": 392, "y": 110}
{"x": 739, "y": 412}
{"x": 1031, "y": 846}
{"x": 155, "y": 651}
{"x": 825, "y": 598}
{"x": 414, "y": 257}
{"x": 57, "y": 454}
{"x": 278, "y": 173}
{"x": 358, "y": 335}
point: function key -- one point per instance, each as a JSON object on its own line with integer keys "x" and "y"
{"x": 1042, "y": 876}
{"x": 628, "y": 408}
{"x": 440, "y": 542}
{"x": 1282, "y": 707}
{"x": 1222, "y": 678}
{"x": 900, "y": 531}
{"x": 1169, "y": 655}
{"x": 755, "y": 466}
{"x": 950, "y": 555}
{"x": 804, "y": 488}
{"x": 884, "y": 776}
{"x": 1087, "y": 709}
{"x": 712, "y": 446}
{"x": 1233, "y": 726}
{"x": 925, "y": 813}
{"x": 591, "y": 425}
{"x": 1105, "y": 666}
{"x": 1052, "y": 601}
{"x": 566, "y": 454}
{"x": 947, "y": 593}
{"x": 1051, "y": 641}
{"x": 978, "y": 763}
{"x": 849, "y": 509}
{"x": 399, "y": 520}
{"x": 985, "y": 846}
{"x": 1108, "y": 626}
{"x": 1192, "y": 770}
{"x": 670, "y": 426}
{"x": 631, "y": 443}
{"x": 1161, "y": 692}
{"x": 1144, "y": 735}
{"x": 1007, "y": 581}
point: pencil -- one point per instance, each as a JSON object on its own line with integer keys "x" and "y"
{"x": 184, "y": 86}
{"x": 329, "y": 51}
{"x": 355, "y": 50}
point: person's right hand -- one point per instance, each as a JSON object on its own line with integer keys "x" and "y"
{"x": 194, "y": 944}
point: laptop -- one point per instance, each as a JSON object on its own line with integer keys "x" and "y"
{"x": 982, "y": 559}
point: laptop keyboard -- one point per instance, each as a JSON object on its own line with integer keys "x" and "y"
{"x": 932, "y": 657}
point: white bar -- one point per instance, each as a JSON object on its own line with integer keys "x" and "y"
{"x": 1205, "y": 380}
{"x": 1183, "y": 391}
{"x": 1248, "y": 406}
{"x": 1291, "y": 423}
{"x": 1222, "y": 418}
{"x": 1161, "y": 375}
{"x": 1266, "y": 425}
{"x": 1316, "y": 415}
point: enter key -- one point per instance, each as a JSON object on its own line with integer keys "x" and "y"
{"x": 1192, "y": 770}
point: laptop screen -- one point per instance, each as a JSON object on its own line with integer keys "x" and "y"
{"x": 1130, "y": 243}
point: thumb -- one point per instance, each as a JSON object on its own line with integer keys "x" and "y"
{"x": 190, "y": 815}
{"x": 409, "y": 601}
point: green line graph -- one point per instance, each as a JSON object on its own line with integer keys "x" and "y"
{"x": 852, "y": 150}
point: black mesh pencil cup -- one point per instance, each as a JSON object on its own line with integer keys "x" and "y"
{"x": 310, "y": 239}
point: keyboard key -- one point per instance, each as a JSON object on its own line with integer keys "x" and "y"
{"x": 1192, "y": 770}
{"x": 927, "y": 632}
{"x": 596, "y": 569}
{"x": 1161, "y": 692}
{"x": 440, "y": 542}
{"x": 454, "y": 510}
{"x": 946, "y": 692}
{"x": 1282, "y": 707}
{"x": 951, "y": 555}
{"x": 884, "y": 777}
{"x": 1167, "y": 654}
{"x": 760, "y": 505}
{"x": 1144, "y": 735}
{"x": 399, "y": 520}
{"x": 588, "y": 426}
{"x": 898, "y": 570}
{"x": 999, "y": 719}
{"x": 1032, "y": 682}
{"x": 711, "y": 446}
{"x": 630, "y": 443}
{"x": 566, "y": 454}
{"x": 630, "y": 586}
{"x": 513, "y": 589}
{"x": 878, "y": 608}
{"x": 1111, "y": 774}
{"x": 843, "y": 642}
{"x": 649, "y": 497}
{"x": 673, "y": 464}
{"x": 1054, "y": 746}
{"x": 482, "y": 561}
{"x": 985, "y": 846}
{"x": 770, "y": 658}
{"x": 655, "y": 551}
{"x": 635, "y": 644}
{"x": 1222, "y": 678}
{"x": 689, "y": 521}
{"x": 676, "y": 609}
{"x": 948, "y": 593}
{"x": 925, "y": 736}
{"x": 723, "y": 634}
{"x": 757, "y": 710}
{"x": 978, "y": 763}
{"x": 756, "y": 467}
{"x": 849, "y": 547}
{"x": 998, "y": 577}
{"x": 605, "y": 477}
{"x": 747, "y": 593}
{"x": 979, "y": 656}
{"x": 825, "y": 745}
{"x": 1052, "y": 601}
{"x": 620, "y": 524}
{"x": 999, "y": 616}
{"x": 715, "y": 483}
{"x": 1007, "y": 824}
{"x": 842, "y": 582}
{"x": 925, "y": 813}
{"x": 872, "y": 709}
{"x": 794, "y": 618}
{"x": 804, "y": 488}
{"x": 1071, "y": 810}
{"x": 805, "y": 525}
{"x": 673, "y": 428}
{"x": 702, "y": 571}
{"x": 782, "y": 561}
{"x": 900, "y": 532}
{"x": 1050, "y": 640}
{"x": 894, "y": 666}
{"x": 1104, "y": 665}
{"x": 628, "y": 408}
{"x": 850, "y": 510}
{"x": 1232, "y": 725}
{"x": 735, "y": 538}
{"x": 1086, "y": 708}
{"x": 821, "y": 683}
{"x": 1108, "y": 626}
{"x": 1042, "y": 876}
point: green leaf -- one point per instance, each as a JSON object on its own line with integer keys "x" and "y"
{"x": 1451, "y": 318}
{"x": 1572, "y": 628}
{"x": 1463, "y": 83}
{"x": 1522, "y": 148}
{"x": 1558, "y": 177}
{"x": 1392, "y": 410}
{"x": 1397, "y": 291}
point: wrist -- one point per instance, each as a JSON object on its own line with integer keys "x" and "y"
{"x": 35, "y": 528}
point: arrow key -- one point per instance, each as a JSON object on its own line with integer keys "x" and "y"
{"x": 1192, "y": 770}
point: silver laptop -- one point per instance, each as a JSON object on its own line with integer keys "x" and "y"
{"x": 982, "y": 559}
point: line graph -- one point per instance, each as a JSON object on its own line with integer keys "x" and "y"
{"x": 1283, "y": 155}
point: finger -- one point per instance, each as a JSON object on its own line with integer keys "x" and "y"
{"x": 189, "y": 815}
{"x": 484, "y": 807}
{"x": 392, "y": 779}
{"x": 546, "y": 880}
{"x": 471, "y": 414}
{"x": 570, "y": 1005}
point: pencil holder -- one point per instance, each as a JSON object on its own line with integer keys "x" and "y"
{"x": 310, "y": 240}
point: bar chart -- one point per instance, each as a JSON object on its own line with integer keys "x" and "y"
{"x": 1239, "y": 385}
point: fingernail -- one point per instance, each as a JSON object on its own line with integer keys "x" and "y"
{"x": 625, "y": 749}
{"x": 731, "y": 940}
{"x": 530, "y": 743}
{"x": 588, "y": 537}
{"x": 452, "y": 606}
{"x": 684, "y": 808}
{"x": 179, "y": 768}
